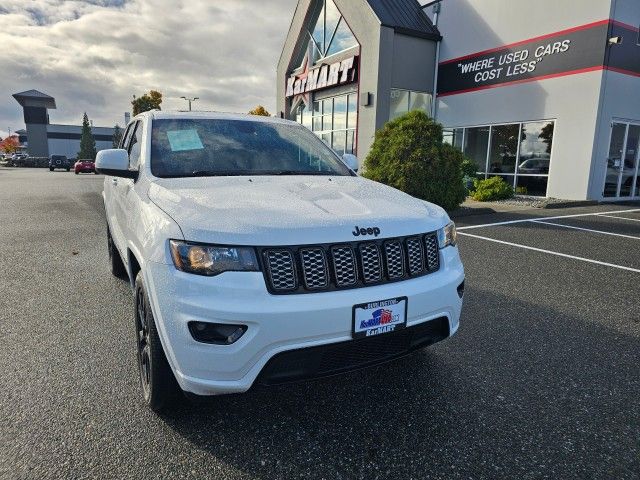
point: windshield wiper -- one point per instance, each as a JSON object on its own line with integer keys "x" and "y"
{"x": 239, "y": 173}
{"x": 217, "y": 173}
{"x": 298, "y": 172}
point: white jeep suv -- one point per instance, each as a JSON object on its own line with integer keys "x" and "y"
{"x": 259, "y": 257}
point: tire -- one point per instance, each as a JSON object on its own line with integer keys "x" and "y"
{"x": 160, "y": 389}
{"x": 50, "y": 169}
{"x": 76, "y": 173}
{"x": 115, "y": 260}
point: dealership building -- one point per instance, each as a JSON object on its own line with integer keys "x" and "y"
{"x": 544, "y": 94}
{"x": 43, "y": 139}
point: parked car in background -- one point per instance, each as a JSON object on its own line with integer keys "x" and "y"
{"x": 85, "y": 166}
{"x": 59, "y": 161}
{"x": 13, "y": 158}
{"x": 537, "y": 165}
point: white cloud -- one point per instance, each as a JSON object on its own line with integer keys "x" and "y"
{"x": 94, "y": 55}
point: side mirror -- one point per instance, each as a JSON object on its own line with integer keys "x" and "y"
{"x": 114, "y": 162}
{"x": 350, "y": 161}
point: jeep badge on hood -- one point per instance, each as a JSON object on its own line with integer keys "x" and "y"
{"x": 366, "y": 231}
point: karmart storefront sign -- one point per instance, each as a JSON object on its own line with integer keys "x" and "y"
{"x": 324, "y": 76}
{"x": 567, "y": 52}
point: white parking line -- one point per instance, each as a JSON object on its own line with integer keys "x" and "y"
{"x": 550, "y": 252}
{"x": 622, "y": 218}
{"x": 511, "y": 222}
{"x": 586, "y": 229}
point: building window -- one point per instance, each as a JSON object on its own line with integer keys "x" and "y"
{"x": 330, "y": 34}
{"x": 447, "y": 136}
{"x": 518, "y": 152}
{"x": 453, "y": 136}
{"x": 333, "y": 119}
{"x": 404, "y": 101}
{"x": 458, "y": 137}
{"x": 504, "y": 149}
{"x": 475, "y": 146}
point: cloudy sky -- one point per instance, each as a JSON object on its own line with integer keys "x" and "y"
{"x": 93, "y": 55}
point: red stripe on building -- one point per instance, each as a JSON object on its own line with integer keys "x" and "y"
{"x": 625, "y": 25}
{"x": 622, "y": 70}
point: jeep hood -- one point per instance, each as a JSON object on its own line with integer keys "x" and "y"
{"x": 290, "y": 210}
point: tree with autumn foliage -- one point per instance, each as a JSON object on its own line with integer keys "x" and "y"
{"x": 148, "y": 101}
{"x": 10, "y": 144}
{"x": 260, "y": 111}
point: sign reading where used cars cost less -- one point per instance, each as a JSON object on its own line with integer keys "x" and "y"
{"x": 574, "y": 50}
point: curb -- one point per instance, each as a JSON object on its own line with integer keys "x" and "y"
{"x": 571, "y": 203}
{"x": 468, "y": 212}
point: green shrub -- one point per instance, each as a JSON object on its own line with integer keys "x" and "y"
{"x": 494, "y": 188}
{"x": 408, "y": 154}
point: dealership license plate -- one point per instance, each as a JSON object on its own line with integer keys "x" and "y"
{"x": 376, "y": 318}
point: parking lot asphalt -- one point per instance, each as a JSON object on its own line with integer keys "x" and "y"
{"x": 541, "y": 381}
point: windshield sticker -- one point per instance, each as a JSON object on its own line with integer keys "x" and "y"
{"x": 182, "y": 140}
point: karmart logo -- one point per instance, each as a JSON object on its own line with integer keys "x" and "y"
{"x": 323, "y": 76}
{"x": 383, "y": 319}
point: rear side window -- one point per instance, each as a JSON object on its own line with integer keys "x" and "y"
{"x": 125, "y": 138}
{"x": 135, "y": 147}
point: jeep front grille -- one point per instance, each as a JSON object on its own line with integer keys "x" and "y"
{"x": 345, "y": 269}
{"x": 313, "y": 268}
{"x": 371, "y": 262}
{"x": 433, "y": 255}
{"x": 282, "y": 270}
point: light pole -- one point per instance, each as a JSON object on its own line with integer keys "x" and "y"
{"x": 190, "y": 99}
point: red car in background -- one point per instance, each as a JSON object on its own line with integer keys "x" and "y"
{"x": 85, "y": 166}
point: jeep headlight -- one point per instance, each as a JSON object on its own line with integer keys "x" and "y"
{"x": 212, "y": 260}
{"x": 447, "y": 235}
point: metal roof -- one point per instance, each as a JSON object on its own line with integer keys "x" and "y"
{"x": 35, "y": 98}
{"x": 405, "y": 16}
{"x": 32, "y": 94}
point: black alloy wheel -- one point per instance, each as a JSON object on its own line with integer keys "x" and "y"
{"x": 142, "y": 331}
{"x": 160, "y": 390}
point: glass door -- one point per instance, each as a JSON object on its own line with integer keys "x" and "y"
{"x": 614, "y": 160}
{"x": 629, "y": 167}
{"x": 621, "y": 180}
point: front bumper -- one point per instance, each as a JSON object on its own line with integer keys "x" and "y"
{"x": 284, "y": 323}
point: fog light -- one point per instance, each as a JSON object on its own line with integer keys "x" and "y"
{"x": 216, "y": 333}
{"x": 461, "y": 290}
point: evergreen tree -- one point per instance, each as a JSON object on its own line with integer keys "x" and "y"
{"x": 87, "y": 142}
{"x": 117, "y": 136}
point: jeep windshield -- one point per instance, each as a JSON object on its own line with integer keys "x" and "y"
{"x": 218, "y": 147}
